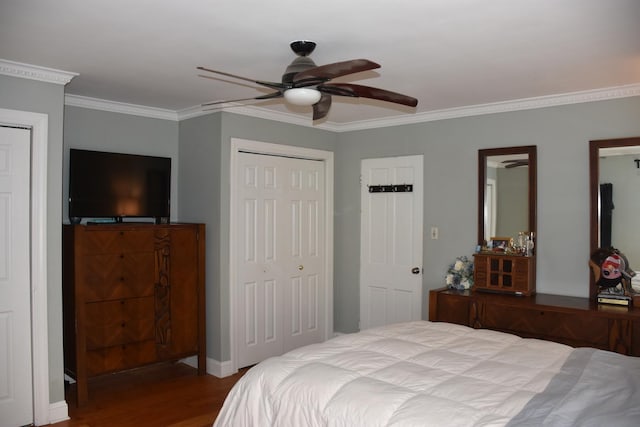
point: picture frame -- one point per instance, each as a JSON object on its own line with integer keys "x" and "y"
{"x": 500, "y": 244}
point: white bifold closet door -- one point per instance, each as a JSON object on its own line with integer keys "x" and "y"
{"x": 280, "y": 287}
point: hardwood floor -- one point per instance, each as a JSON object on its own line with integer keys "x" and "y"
{"x": 168, "y": 395}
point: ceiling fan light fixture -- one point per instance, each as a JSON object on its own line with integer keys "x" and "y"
{"x": 302, "y": 96}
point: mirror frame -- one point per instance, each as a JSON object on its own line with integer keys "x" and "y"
{"x": 594, "y": 183}
{"x": 531, "y": 151}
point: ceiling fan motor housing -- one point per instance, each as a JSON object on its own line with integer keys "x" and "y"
{"x": 301, "y": 63}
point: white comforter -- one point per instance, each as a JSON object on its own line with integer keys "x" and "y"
{"x": 416, "y": 373}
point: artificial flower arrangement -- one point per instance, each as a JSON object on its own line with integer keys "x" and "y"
{"x": 460, "y": 274}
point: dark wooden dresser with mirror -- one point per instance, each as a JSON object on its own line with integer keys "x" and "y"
{"x": 497, "y": 303}
{"x": 133, "y": 295}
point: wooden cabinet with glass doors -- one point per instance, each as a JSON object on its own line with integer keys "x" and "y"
{"x": 513, "y": 274}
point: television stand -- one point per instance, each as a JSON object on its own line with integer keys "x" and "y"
{"x": 133, "y": 295}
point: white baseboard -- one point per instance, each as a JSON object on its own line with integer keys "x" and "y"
{"x": 214, "y": 367}
{"x": 58, "y": 411}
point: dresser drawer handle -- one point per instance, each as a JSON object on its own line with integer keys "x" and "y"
{"x": 123, "y": 324}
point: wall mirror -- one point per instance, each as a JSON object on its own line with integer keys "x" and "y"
{"x": 614, "y": 187}
{"x": 506, "y": 192}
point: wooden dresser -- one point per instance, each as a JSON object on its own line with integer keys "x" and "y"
{"x": 133, "y": 294}
{"x": 578, "y": 322}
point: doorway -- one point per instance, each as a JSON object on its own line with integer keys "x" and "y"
{"x": 37, "y": 124}
{"x": 391, "y": 242}
{"x": 281, "y": 229}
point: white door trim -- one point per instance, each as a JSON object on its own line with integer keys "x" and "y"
{"x": 290, "y": 151}
{"x": 38, "y": 123}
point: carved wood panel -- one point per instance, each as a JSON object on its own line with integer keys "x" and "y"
{"x": 162, "y": 244}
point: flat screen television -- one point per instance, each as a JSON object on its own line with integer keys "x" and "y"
{"x": 116, "y": 186}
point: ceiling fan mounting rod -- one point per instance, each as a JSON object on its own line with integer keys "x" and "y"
{"x": 302, "y": 47}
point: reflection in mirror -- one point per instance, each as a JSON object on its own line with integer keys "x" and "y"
{"x": 506, "y": 192}
{"x": 506, "y": 204}
{"x": 615, "y": 198}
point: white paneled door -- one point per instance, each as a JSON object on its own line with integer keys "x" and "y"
{"x": 16, "y": 386}
{"x": 391, "y": 240}
{"x": 280, "y": 287}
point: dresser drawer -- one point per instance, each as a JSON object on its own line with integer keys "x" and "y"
{"x": 548, "y": 324}
{"x": 116, "y": 358}
{"x": 451, "y": 308}
{"x": 111, "y": 242}
{"x": 113, "y": 323}
{"x": 118, "y": 276}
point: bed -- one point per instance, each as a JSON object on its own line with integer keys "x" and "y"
{"x": 437, "y": 374}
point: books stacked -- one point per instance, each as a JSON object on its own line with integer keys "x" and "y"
{"x": 616, "y": 299}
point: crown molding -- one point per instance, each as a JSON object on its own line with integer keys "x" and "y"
{"x": 260, "y": 113}
{"x": 296, "y": 119}
{"x": 34, "y": 72}
{"x": 120, "y": 107}
{"x": 500, "y": 107}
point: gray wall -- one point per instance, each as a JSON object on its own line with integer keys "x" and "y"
{"x": 450, "y": 151}
{"x": 47, "y": 98}
{"x": 199, "y": 188}
{"x": 202, "y": 147}
{"x": 450, "y": 148}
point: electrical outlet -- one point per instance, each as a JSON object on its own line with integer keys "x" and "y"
{"x": 434, "y": 233}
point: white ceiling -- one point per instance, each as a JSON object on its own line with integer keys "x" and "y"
{"x": 446, "y": 53}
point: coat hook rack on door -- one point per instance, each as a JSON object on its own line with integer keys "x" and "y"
{"x": 403, "y": 188}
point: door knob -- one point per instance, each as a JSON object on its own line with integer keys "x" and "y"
{"x": 301, "y": 267}
{"x": 415, "y": 270}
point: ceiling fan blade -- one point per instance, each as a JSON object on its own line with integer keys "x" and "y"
{"x": 355, "y": 91}
{"x": 321, "y": 108}
{"x": 327, "y": 72}
{"x": 273, "y": 85}
{"x": 515, "y": 163}
{"x": 262, "y": 97}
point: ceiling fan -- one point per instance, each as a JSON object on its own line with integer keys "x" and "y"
{"x": 515, "y": 163}
{"x": 304, "y": 83}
